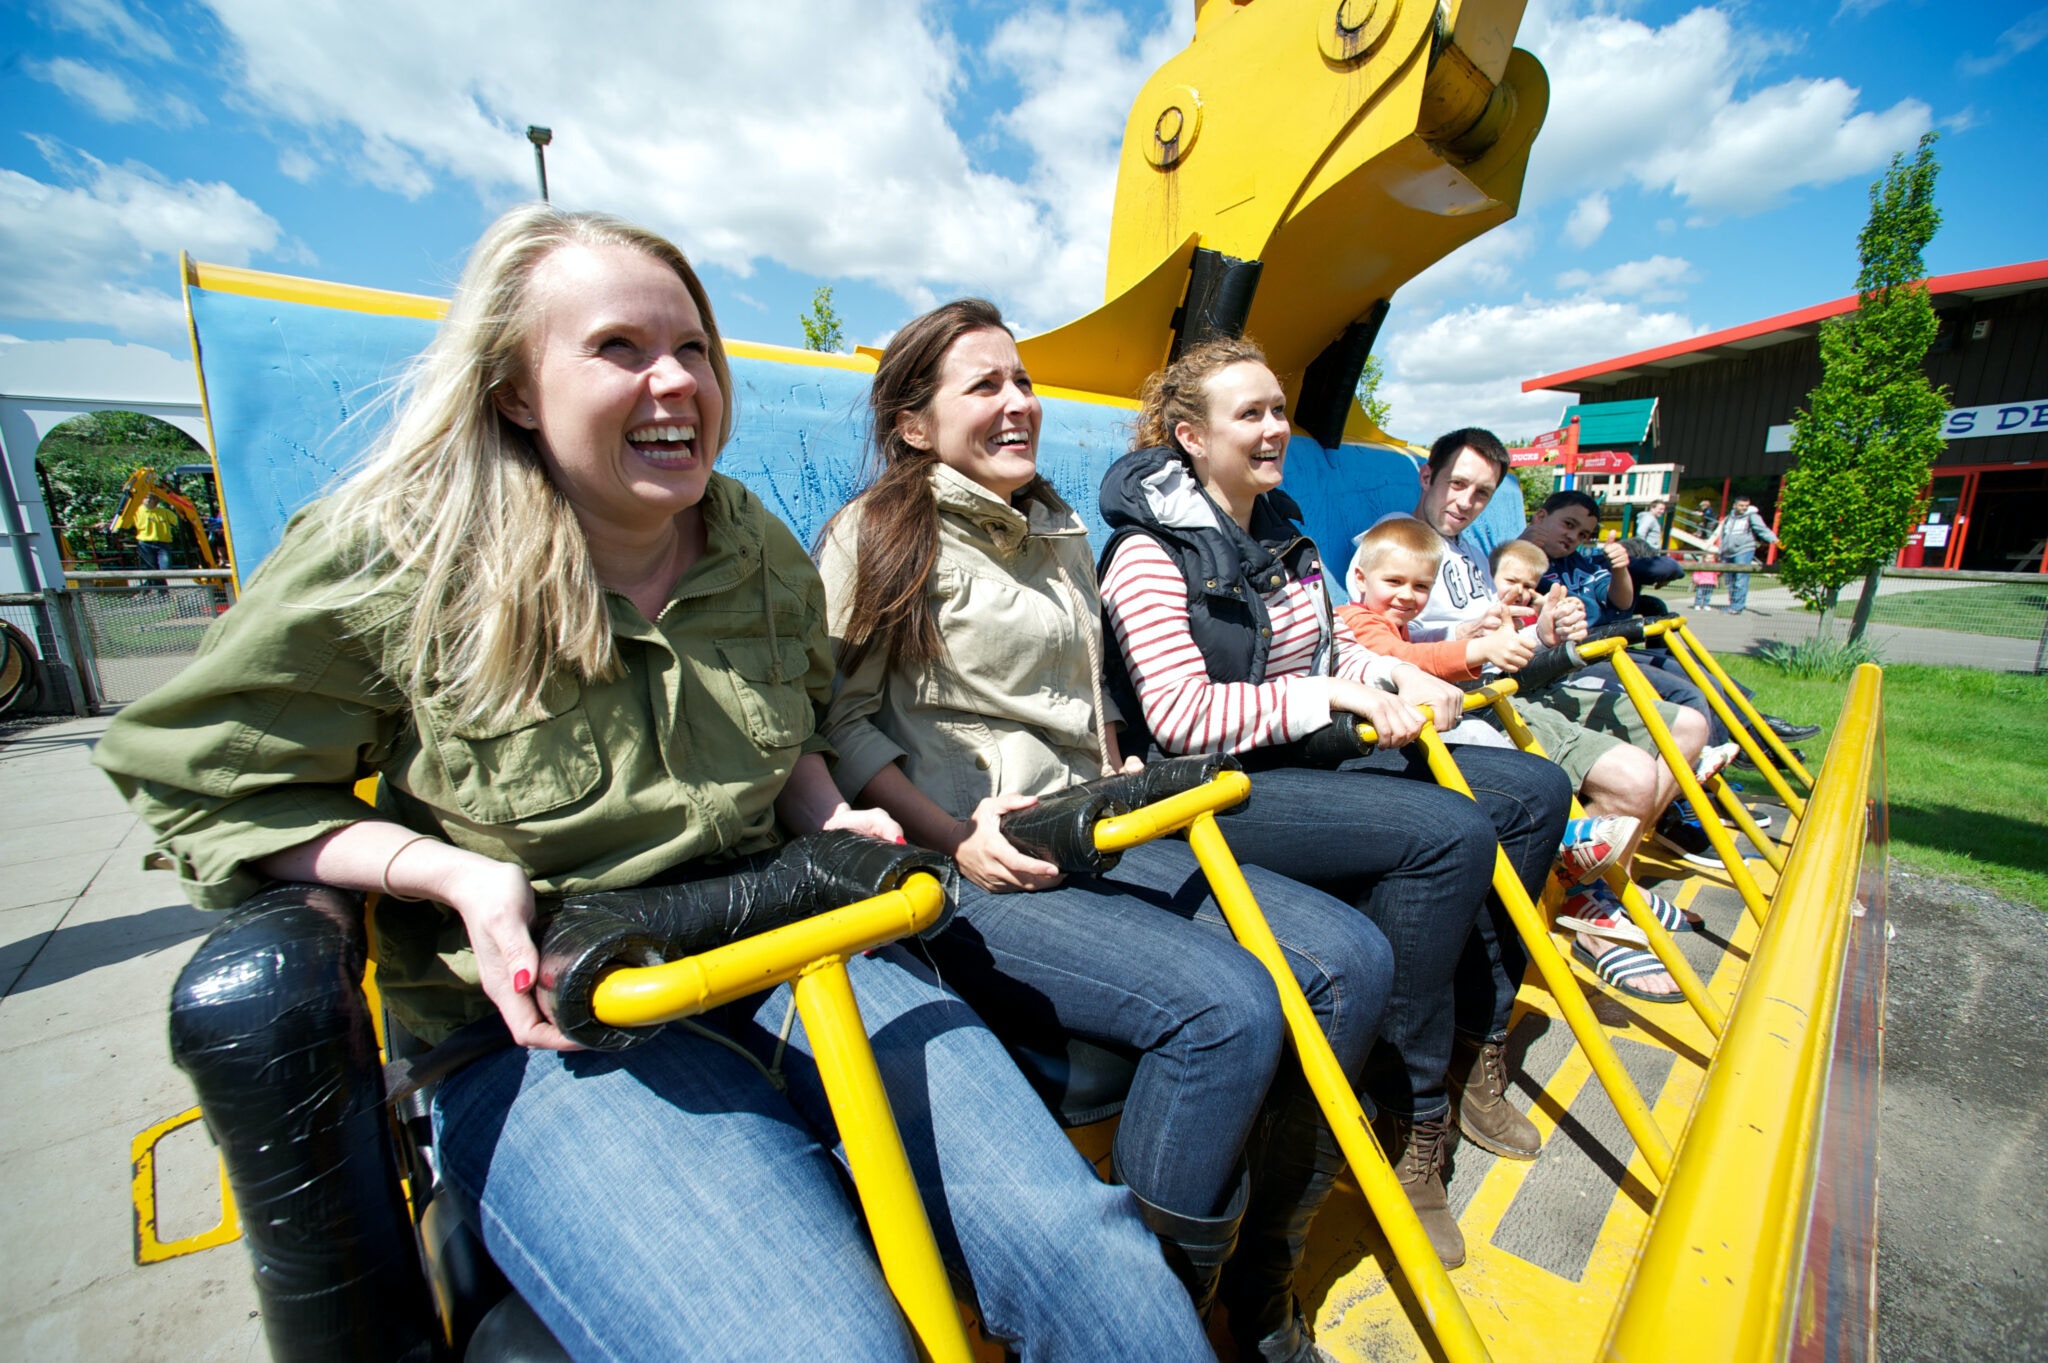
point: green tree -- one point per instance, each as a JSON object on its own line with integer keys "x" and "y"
{"x": 821, "y": 324}
{"x": 1862, "y": 446}
{"x": 85, "y": 461}
{"x": 1376, "y": 407}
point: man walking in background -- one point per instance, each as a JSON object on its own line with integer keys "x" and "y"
{"x": 1738, "y": 538}
{"x": 156, "y": 525}
{"x": 1650, "y": 524}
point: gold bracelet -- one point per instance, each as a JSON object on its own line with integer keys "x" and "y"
{"x": 384, "y": 881}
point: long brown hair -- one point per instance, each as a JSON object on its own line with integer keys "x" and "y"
{"x": 899, "y": 518}
{"x": 1180, "y": 392}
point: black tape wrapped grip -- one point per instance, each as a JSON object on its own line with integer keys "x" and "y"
{"x": 269, "y": 1022}
{"x": 1333, "y": 745}
{"x": 1060, "y": 828}
{"x": 592, "y": 934}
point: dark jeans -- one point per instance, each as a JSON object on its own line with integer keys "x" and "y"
{"x": 1142, "y": 957}
{"x": 1417, "y": 859}
{"x": 154, "y": 556}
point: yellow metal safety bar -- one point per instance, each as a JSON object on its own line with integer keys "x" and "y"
{"x": 1451, "y": 1329}
{"x": 1644, "y": 697}
{"x": 813, "y": 954}
{"x": 1734, "y": 693}
{"x": 1631, "y": 896}
{"x": 1550, "y": 962}
{"x": 1723, "y": 1247}
{"x": 1672, "y": 632}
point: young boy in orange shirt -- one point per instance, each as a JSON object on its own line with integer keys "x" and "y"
{"x": 1391, "y": 578}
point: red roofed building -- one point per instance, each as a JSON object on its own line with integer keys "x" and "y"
{"x": 1726, "y": 401}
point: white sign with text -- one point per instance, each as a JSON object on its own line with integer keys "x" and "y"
{"x": 1961, "y": 423}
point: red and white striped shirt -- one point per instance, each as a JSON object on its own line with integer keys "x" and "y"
{"x": 1146, "y": 600}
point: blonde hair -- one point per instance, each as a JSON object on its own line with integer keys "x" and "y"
{"x": 454, "y": 496}
{"x": 1523, "y": 552}
{"x": 1180, "y": 392}
{"x": 1404, "y": 534}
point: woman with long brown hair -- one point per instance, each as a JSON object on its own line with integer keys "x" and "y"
{"x": 963, "y": 607}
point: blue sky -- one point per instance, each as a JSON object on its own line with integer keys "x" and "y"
{"x": 1703, "y": 165}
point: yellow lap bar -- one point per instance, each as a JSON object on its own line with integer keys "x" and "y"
{"x": 642, "y": 996}
{"x": 1737, "y": 730}
{"x": 1741, "y": 702}
{"x": 1450, "y": 1327}
{"x": 1558, "y": 979}
{"x": 874, "y": 1152}
{"x": 1225, "y": 790}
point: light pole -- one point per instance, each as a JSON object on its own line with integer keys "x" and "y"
{"x": 540, "y": 137}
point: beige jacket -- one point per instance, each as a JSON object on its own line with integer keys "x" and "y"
{"x": 1011, "y": 707}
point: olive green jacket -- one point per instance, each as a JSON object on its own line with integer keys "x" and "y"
{"x": 1009, "y": 708}
{"x": 257, "y": 745}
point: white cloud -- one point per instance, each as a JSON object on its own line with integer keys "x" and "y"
{"x": 103, "y": 92}
{"x": 1466, "y": 368}
{"x": 817, "y": 136}
{"x": 1589, "y": 219}
{"x": 95, "y": 245}
{"x": 1651, "y": 280}
{"x": 111, "y": 97}
{"x": 2023, "y": 36}
{"x": 110, "y": 22}
{"x": 1678, "y": 109}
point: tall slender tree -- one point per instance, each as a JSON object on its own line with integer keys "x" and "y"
{"x": 821, "y": 324}
{"x": 1862, "y": 446}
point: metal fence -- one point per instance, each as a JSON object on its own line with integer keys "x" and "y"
{"x": 1990, "y": 620}
{"x": 140, "y": 630}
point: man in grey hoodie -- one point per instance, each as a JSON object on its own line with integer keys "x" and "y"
{"x": 1739, "y": 535}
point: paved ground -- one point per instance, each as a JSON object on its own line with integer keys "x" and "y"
{"x": 1775, "y": 613}
{"x": 89, "y": 945}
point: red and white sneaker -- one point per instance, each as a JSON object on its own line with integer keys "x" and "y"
{"x": 1591, "y": 845}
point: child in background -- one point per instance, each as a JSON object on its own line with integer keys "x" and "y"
{"x": 1518, "y": 569}
{"x": 1391, "y": 577}
{"x": 1703, "y": 589}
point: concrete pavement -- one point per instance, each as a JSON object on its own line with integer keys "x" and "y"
{"x": 1775, "y": 614}
{"x": 89, "y": 946}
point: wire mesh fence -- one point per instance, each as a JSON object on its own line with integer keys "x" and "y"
{"x": 1989, "y": 620}
{"x": 142, "y": 636}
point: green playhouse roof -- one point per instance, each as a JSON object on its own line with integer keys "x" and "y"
{"x": 1612, "y": 425}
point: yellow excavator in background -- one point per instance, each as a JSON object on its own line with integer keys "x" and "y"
{"x": 144, "y": 484}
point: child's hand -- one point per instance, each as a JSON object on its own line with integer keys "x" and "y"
{"x": 1481, "y": 625}
{"x": 1515, "y": 594}
{"x": 1507, "y": 650}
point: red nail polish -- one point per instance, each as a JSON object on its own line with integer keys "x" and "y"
{"x": 521, "y": 980}
{"x": 899, "y": 840}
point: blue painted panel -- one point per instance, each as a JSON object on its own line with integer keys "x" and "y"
{"x": 297, "y": 391}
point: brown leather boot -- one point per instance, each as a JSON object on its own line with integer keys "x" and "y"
{"x": 1479, "y": 1093}
{"x": 1417, "y": 1151}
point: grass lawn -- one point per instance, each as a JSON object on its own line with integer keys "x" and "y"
{"x": 1966, "y": 766}
{"x": 2013, "y": 609}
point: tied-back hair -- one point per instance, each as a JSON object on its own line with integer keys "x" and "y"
{"x": 899, "y": 518}
{"x": 1180, "y": 392}
{"x": 454, "y": 495}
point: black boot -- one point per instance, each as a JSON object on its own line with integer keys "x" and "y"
{"x": 1195, "y": 1246}
{"x": 1295, "y": 1161}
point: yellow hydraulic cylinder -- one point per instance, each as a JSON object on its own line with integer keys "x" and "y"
{"x": 1675, "y": 640}
{"x": 1444, "y": 1311}
{"x": 1741, "y": 702}
{"x": 1645, "y": 701}
{"x": 813, "y": 953}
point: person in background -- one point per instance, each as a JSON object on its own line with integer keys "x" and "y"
{"x": 156, "y": 526}
{"x": 1738, "y": 538}
{"x": 1650, "y": 523}
{"x": 1703, "y": 583}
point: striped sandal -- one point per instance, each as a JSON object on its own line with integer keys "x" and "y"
{"x": 1618, "y": 965}
{"x": 1591, "y": 845}
{"x": 1599, "y": 916}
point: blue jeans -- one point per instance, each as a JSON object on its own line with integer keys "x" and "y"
{"x": 1417, "y": 860}
{"x": 1142, "y": 957}
{"x": 155, "y": 555}
{"x": 1738, "y": 583}
{"x": 666, "y": 1202}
